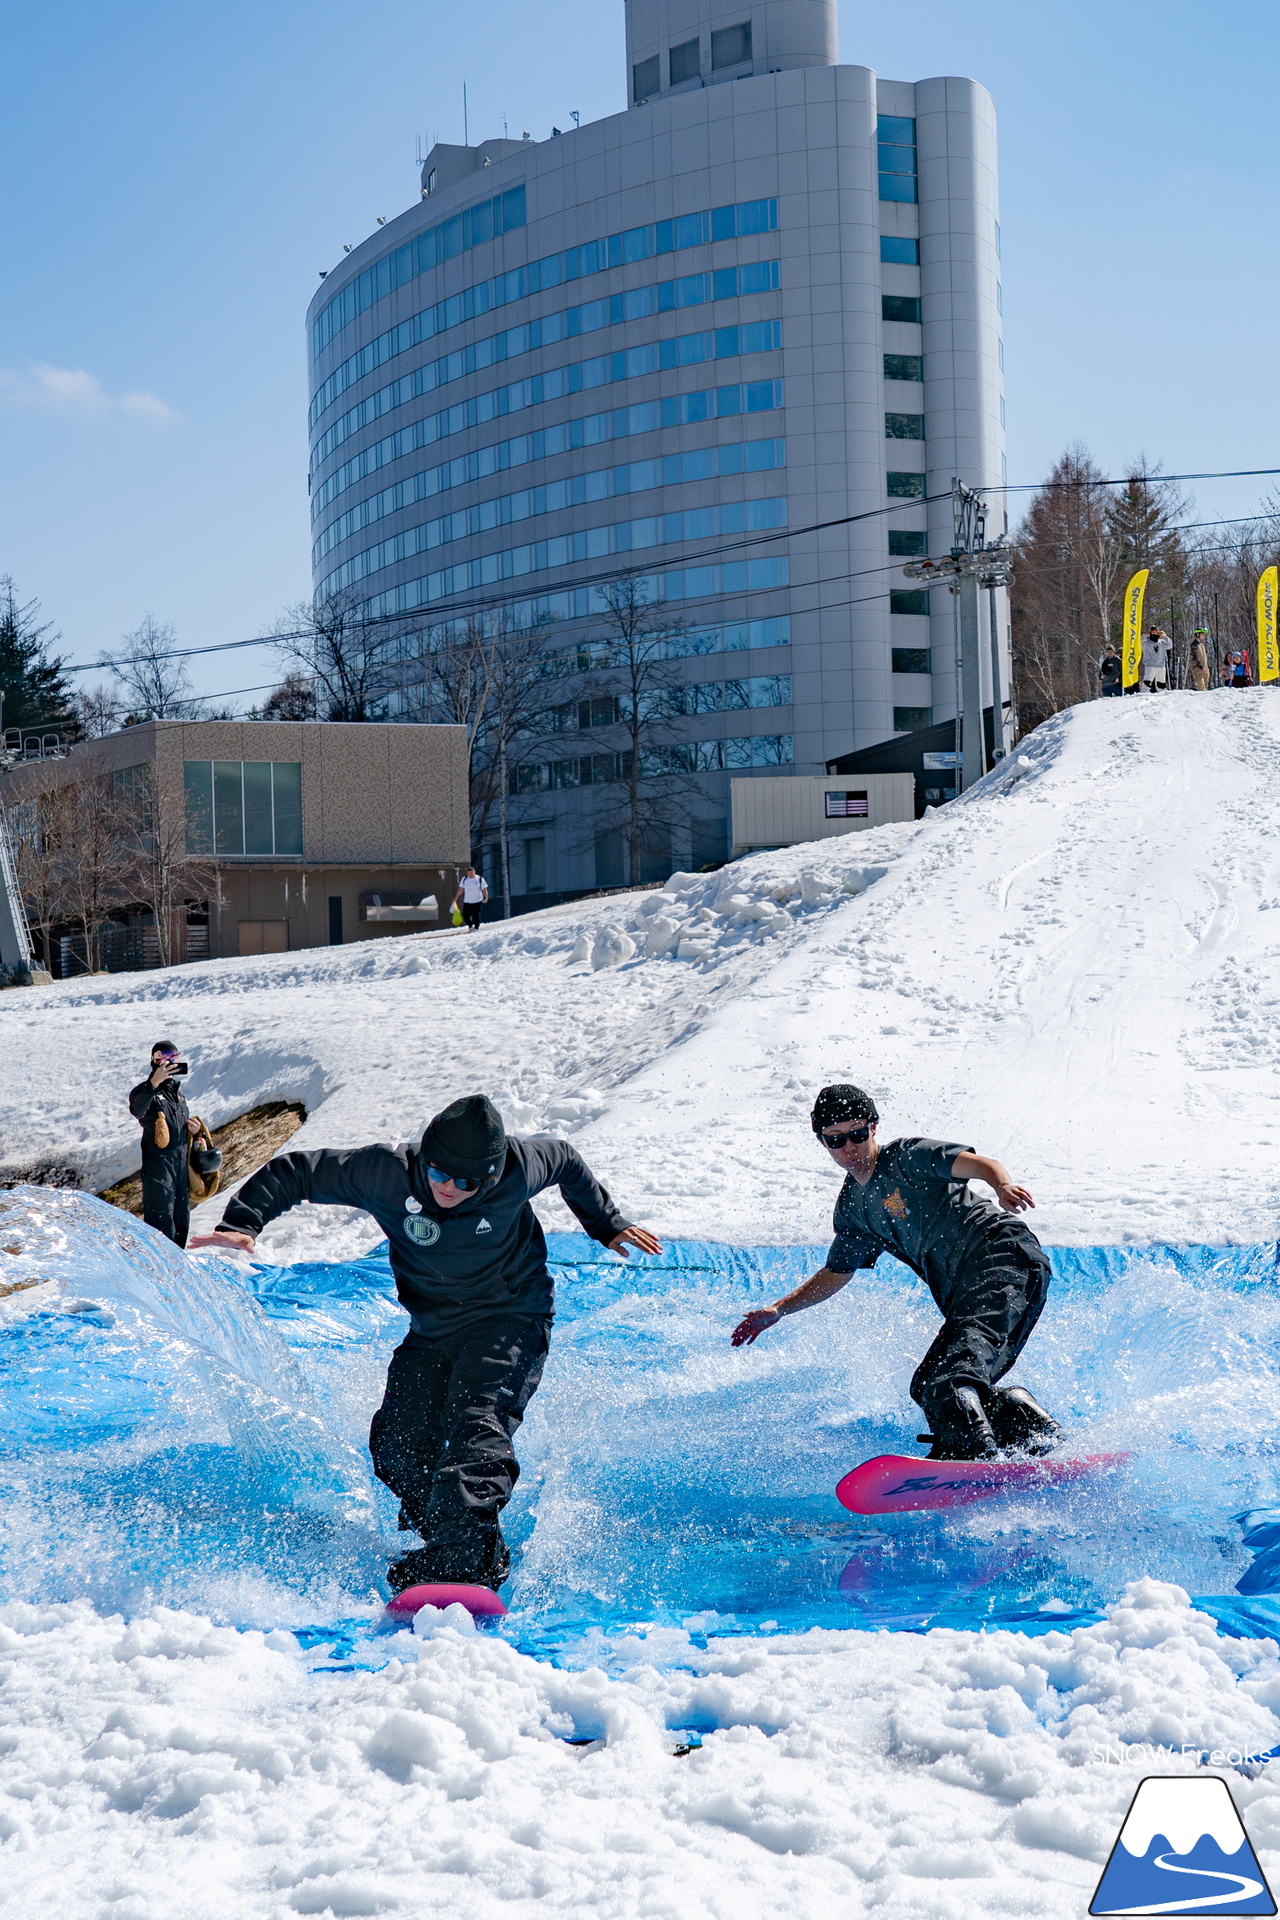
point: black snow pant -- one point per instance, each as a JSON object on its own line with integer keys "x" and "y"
{"x": 442, "y": 1441}
{"x": 166, "y": 1200}
{"x": 471, "y": 914}
{"x": 990, "y": 1313}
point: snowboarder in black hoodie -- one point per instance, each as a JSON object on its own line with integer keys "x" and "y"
{"x": 470, "y": 1266}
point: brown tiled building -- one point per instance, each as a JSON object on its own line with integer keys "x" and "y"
{"x": 307, "y": 834}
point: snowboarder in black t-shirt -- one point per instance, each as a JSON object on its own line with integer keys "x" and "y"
{"x": 470, "y": 1265}
{"x": 987, "y": 1273}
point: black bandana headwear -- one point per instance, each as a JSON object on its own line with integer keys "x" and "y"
{"x": 842, "y": 1102}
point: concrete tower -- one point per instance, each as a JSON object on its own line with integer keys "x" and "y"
{"x": 736, "y": 336}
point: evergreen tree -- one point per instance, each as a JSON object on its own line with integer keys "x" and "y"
{"x": 35, "y": 690}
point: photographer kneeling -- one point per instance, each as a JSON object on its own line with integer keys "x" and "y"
{"x": 157, "y": 1104}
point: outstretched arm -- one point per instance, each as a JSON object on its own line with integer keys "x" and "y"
{"x": 341, "y": 1178}
{"x": 552, "y": 1162}
{"x": 979, "y": 1166}
{"x": 819, "y": 1287}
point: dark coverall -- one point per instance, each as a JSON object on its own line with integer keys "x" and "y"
{"x": 475, "y": 1282}
{"x": 988, "y": 1274}
{"x": 166, "y": 1203}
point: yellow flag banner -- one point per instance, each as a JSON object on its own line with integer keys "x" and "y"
{"x": 1131, "y": 650}
{"x": 1268, "y": 651}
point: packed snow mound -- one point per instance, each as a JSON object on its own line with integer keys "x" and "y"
{"x": 197, "y": 1770}
{"x": 1073, "y": 967}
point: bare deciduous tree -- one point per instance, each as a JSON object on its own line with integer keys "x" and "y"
{"x": 1076, "y": 547}
{"x": 348, "y": 654}
{"x": 493, "y": 677}
{"x": 154, "y": 679}
{"x": 638, "y": 669}
{"x": 165, "y": 877}
{"x": 98, "y": 711}
{"x": 39, "y": 832}
{"x": 100, "y": 869}
{"x": 293, "y": 699}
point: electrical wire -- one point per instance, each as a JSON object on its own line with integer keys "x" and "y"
{"x": 456, "y": 605}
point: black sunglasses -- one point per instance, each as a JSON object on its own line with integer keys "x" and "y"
{"x": 837, "y": 1140}
{"x": 442, "y": 1179}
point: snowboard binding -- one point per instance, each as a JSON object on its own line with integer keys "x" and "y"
{"x": 993, "y": 1423}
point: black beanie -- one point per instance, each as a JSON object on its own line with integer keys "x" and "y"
{"x": 842, "y": 1102}
{"x": 467, "y": 1138}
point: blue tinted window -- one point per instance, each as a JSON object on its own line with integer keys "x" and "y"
{"x": 244, "y": 807}
{"x": 900, "y": 306}
{"x": 899, "y": 252}
{"x": 904, "y": 426}
{"x": 898, "y": 186}
{"x": 894, "y": 127}
{"x": 198, "y": 782}
{"x": 897, "y": 159}
{"x": 906, "y": 486}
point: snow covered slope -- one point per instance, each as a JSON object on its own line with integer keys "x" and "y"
{"x": 1075, "y": 968}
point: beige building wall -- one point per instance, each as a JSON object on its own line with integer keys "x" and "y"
{"x": 385, "y": 809}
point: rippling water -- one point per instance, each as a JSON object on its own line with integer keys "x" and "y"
{"x": 174, "y": 1430}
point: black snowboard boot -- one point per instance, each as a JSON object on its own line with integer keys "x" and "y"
{"x": 961, "y": 1430}
{"x": 478, "y": 1558}
{"x": 1020, "y": 1423}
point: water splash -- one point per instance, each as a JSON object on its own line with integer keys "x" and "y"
{"x": 175, "y": 1428}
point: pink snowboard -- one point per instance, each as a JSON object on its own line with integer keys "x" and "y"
{"x": 896, "y": 1483}
{"x": 480, "y": 1601}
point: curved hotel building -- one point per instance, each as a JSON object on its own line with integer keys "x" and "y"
{"x": 739, "y": 339}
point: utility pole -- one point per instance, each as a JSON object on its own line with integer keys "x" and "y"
{"x": 972, "y": 564}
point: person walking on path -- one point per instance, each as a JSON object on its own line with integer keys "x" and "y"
{"x": 473, "y": 893}
{"x": 158, "y": 1105}
{"x": 988, "y": 1274}
{"x": 1109, "y": 675}
{"x": 470, "y": 1265}
{"x": 1198, "y": 661}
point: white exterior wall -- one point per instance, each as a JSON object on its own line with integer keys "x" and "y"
{"x": 805, "y": 137}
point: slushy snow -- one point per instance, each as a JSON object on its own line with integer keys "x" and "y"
{"x": 1073, "y": 968}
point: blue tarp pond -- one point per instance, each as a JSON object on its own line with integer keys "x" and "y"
{"x": 178, "y": 1431}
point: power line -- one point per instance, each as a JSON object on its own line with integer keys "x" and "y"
{"x": 453, "y": 605}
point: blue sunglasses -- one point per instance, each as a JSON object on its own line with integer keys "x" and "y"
{"x": 443, "y": 1179}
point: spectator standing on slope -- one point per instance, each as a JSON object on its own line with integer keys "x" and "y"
{"x": 470, "y": 1266}
{"x": 473, "y": 893}
{"x": 1240, "y": 674}
{"x": 158, "y": 1105}
{"x": 1198, "y": 661}
{"x": 1109, "y": 674}
{"x": 988, "y": 1274}
{"x": 1156, "y": 649}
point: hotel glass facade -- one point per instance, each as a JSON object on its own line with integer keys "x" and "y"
{"x": 738, "y": 339}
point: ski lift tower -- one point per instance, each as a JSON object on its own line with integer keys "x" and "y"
{"x": 15, "y": 935}
{"x": 970, "y": 565}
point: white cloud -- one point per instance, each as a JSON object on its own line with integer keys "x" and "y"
{"x": 71, "y": 390}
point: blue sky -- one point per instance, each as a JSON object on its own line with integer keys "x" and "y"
{"x": 174, "y": 178}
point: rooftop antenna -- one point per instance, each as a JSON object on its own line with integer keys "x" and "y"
{"x": 466, "y": 136}
{"x": 575, "y": 116}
